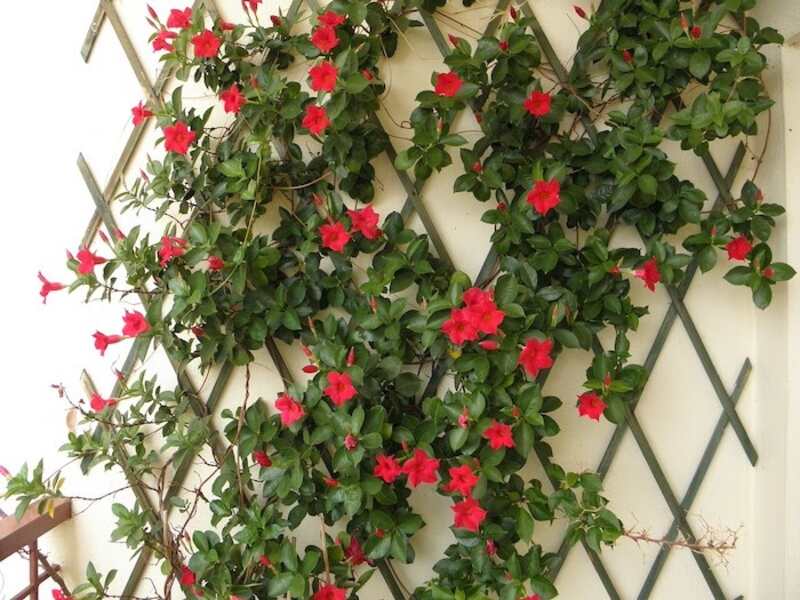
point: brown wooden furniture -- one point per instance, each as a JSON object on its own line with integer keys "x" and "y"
{"x": 16, "y": 536}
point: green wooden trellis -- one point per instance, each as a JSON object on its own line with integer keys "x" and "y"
{"x": 414, "y": 203}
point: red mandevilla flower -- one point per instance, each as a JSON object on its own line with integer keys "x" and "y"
{"x": 448, "y": 84}
{"x": 290, "y": 409}
{"x": 48, "y": 287}
{"x": 232, "y": 99}
{"x": 421, "y": 468}
{"x": 460, "y": 327}
{"x": 340, "y": 388}
{"x": 179, "y": 19}
{"x": 545, "y": 196}
{"x": 316, "y": 119}
{"x": 103, "y": 341}
{"x": 178, "y": 138}
{"x": 535, "y": 356}
{"x": 331, "y": 19}
{"x": 206, "y": 44}
{"x": 354, "y": 552}
{"x": 462, "y": 480}
{"x": 215, "y": 263}
{"x": 591, "y": 405}
{"x": 499, "y": 436}
{"x": 140, "y": 113}
{"x": 538, "y": 103}
{"x": 329, "y": 592}
{"x": 162, "y": 40}
{"x": 187, "y": 577}
{"x": 387, "y": 468}
{"x": 334, "y": 236}
{"x": 99, "y": 404}
{"x": 365, "y": 221}
{"x": 134, "y": 324}
{"x": 171, "y": 247}
{"x": 87, "y": 261}
{"x": 324, "y": 38}
{"x": 323, "y": 76}
{"x": 649, "y": 274}
{"x": 468, "y": 514}
{"x": 738, "y": 248}
{"x": 260, "y": 457}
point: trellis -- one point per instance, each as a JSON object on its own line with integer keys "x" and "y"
{"x": 414, "y": 204}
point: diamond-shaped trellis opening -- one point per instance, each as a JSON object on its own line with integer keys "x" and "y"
{"x": 554, "y": 18}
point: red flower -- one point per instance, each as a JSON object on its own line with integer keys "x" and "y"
{"x": 627, "y": 56}
{"x": 290, "y": 409}
{"x": 354, "y": 552}
{"x": 365, "y": 221}
{"x": 462, "y": 480}
{"x": 265, "y": 561}
{"x": 475, "y": 296}
{"x": 178, "y": 138}
{"x": 738, "y": 248}
{"x": 316, "y": 119}
{"x": 198, "y": 331}
{"x": 87, "y": 261}
{"x": 206, "y": 44}
{"x": 215, "y": 263}
{"x": 340, "y": 388}
{"x": 486, "y": 316}
{"x": 48, "y": 286}
{"x": 99, "y": 404}
{"x": 463, "y": 419}
{"x": 448, "y": 84}
{"x": 533, "y": 597}
{"x": 329, "y": 592}
{"x": 134, "y": 324}
{"x": 103, "y": 341}
{"x": 140, "y": 113}
{"x": 261, "y": 458}
{"x": 489, "y": 345}
{"x": 179, "y": 19}
{"x": 232, "y": 99}
{"x": 171, "y": 247}
{"x": 538, "y": 103}
{"x": 187, "y": 576}
{"x": 591, "y": 405}
{"x": 499, "y": 436}
{"x": 59, "y": 595}
{"x": 324, "y": 38}
{"x": 161, "y": 41}
{"x": 350, "y": 442}
{"x": 387, "y": 468}
{"x": 468, "y": 514}
{"x": 323, "y": 76}
{"x": 334, "y": 236}
{"x": 545, "y": 195}
{"x": 535, "y": 356}
{"x": 253, "y": 4}
{"x": 331, "y": 19}
{"x": 649, "y": 274}
{"x": 579, "y": 11}
{"x": 421, "y": 468}
{"x": 461, "y": 326}
{"x": 330, "y": 482}
{"x": 696, "y": 32}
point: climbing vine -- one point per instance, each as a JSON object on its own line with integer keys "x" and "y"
{"x": 268, "y": 232}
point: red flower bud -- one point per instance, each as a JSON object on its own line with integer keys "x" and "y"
{"x": 579, "y": 11}
{"x": 502, "y": 207}
{"x": 477, "y": 167}
{"x": 491, "y": 549}
{"x": 367, "y": 74}
{"x": 769, "y": 273}
{"x": 351, "y": 357}
{"x": 350, "y": 441}
{"x": 310, "y": 369}
{"x": 330, "y": 482}
{"x": 276, "y": 20}
{"x": 504, "y": 46}
{"x": 453, "y": 39}
{"x": 379, "y": 533}
{"x": 198, "y": 331}
{"x": 152, "y": 12}
{"x": 684, "y": 22}
{"x": 627, "y": 56}
{"x": 306, "y": 351}
{"x": 479, "y": 117}
{"x": 513, "y": 12}
{"x": 102, "y": 235}
{"x": 696, "y": 32}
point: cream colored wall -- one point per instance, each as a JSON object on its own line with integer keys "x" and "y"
{"x": 52, "y": 344}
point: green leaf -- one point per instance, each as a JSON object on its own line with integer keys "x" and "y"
{"x": 699, "y": 64}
